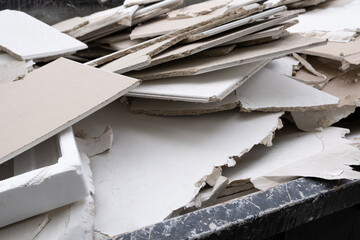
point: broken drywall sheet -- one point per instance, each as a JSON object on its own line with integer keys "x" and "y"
{"x": 289, "y": 146}
{"x": 330, "y": 17}
{"x": 208, "y": 87}
{"x": 238, "y": 23}
{"x": 239, "y": 56}
{"x": 201, "y": 143}
{"x": 325, "y": 69}
{"x": 331, "y": 164}
{"x": 92, "y": 146}
{"x": 347, "y": 53}
{"x": 11, "y": 69}
{"x": 42, "y": 102}
{"x": 120, "y": 16}
{"x": 39, "y": 190}
{"x": 74, "y": 221}
{"x": 71, "y": 24}
{"x": 346, "y": 87}
{"x": 41, "y": 40}
{"x": 335, "y": 36}
{"x": 308, "y": 66}
{"x": 217, "y": 51}
{"x": 163, "y": 26}
{"x": 124, "y": 44}
{"x": 305, "y": 3}
{"x": 269, "y": 91}
{"x": 264, "y": 91}
{"x": 274, "y": 32}
{"x": 192, "y": 48}
{"x": 317, "y": 119}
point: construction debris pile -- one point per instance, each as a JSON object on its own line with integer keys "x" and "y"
{"x": 147, "y": 111}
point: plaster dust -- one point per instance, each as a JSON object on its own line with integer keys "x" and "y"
{"x": 201, "y": 143}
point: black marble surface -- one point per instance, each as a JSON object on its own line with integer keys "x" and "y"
{"x": 260, "y": 215}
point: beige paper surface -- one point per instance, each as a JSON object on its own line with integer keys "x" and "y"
{"x": 52, "y": 98}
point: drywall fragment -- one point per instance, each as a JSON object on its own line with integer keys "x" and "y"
{"x": 138, "y": 59}
{"x": 268, "y": 91}
{"x": 308, "y": 66}
{"x": 177, "y": 36}
{"x": 192, "y": 48}
{"x": 163, "y": 26}
{"x": 274, "y": 32}
{"x": 238, "y": 56}
{"x": 11, "y": 69}
{"x": 41, "y": 40}
{"x": 133, "y": 161}
{"x": 129, "y": 3}
{"x": 318, "y": 119}
{"x": 347, "y": 52}
{"x": 95, "y": 145}
{"x": 288, "y": 148}
{"x": 204, "y": 88}
{"x": 71, "y": 24}
{"x": 74, "y": 221}
{"x": 46, "y": 188}
{"x": 196, "y": 10}
{"x": 346, "y": 87}
{"x": 97, "y": 21}
{"x": 331, "y": 164}
{"x": 330, "y": 16}
{"x": 237, "y": 23}
{"x": 264, "y": 91}
{"x": 326, "y": 69}
{"x": 334, "y": 36}
{"x": 44, "y": 96}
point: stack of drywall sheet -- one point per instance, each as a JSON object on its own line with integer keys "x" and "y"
{"x": 225, "y": 96}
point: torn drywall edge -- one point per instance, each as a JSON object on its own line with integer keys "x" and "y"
{"x": 318, "y": 119}
{"x": 154, "y": 132}
{"x": 11, "y": 69}
{"x": 331, "y": 164}
{"x": 29, "y": 189}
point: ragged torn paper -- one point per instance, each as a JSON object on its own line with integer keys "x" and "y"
{"x": 187, "y": 147}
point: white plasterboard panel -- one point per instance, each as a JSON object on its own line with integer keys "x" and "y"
{"x": 284, "y": 65}
{"x": 70, "y": 24}
{"x": 290, "y": 145}
{"x": 38, "y": 106}
{"x": 264, "y": 91}
{"x": 270, "y": 91}
{"x": 239, "y": 56}
{"x": 47, "y": 188}
{"x": 208, "y": 87}
{"x": 145, "y": 145}
{"x": 28, "y": 38}
{"x": 330, "y": 18}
